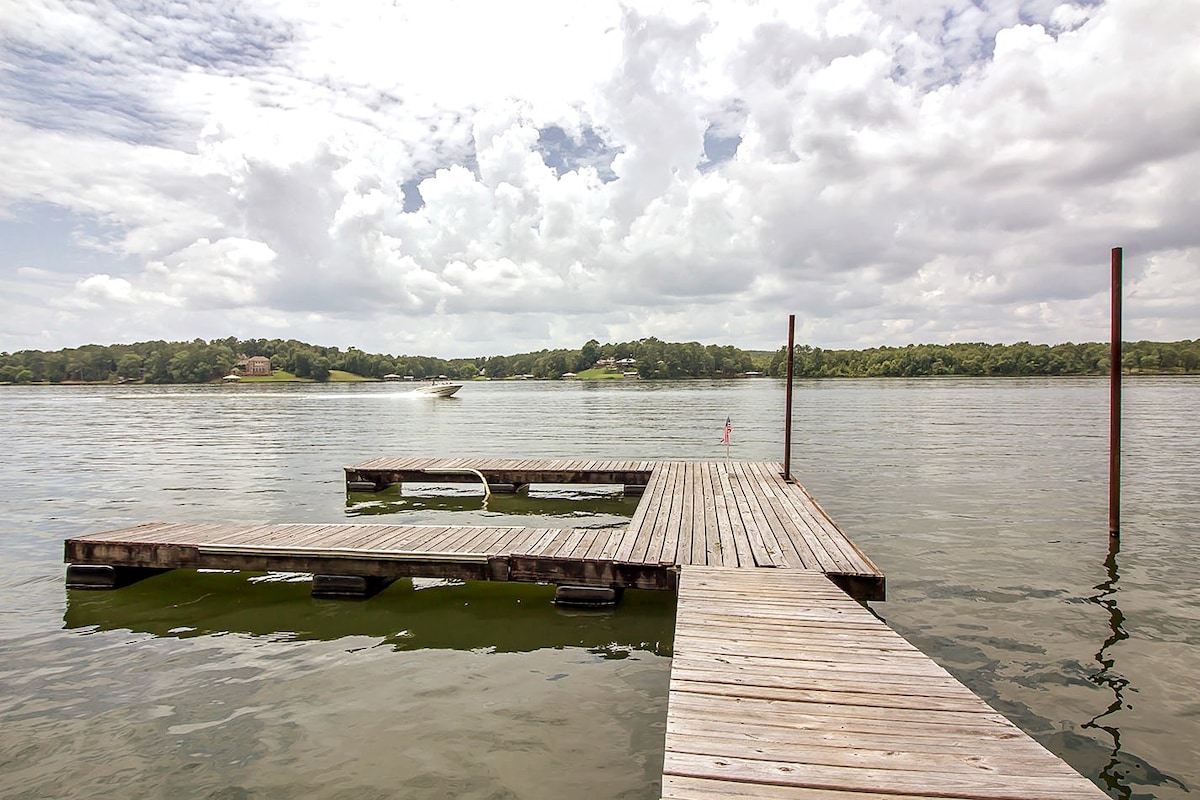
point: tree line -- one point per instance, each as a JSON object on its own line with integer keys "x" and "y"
{"x": 980, "y": 359}
{"x": 202, "y": 361}
{"x": 199, "y": 361}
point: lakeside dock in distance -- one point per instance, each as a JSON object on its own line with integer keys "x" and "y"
{"x": 783, "y": 684}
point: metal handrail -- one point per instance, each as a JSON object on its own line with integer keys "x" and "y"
{"x": 487, "y": 490}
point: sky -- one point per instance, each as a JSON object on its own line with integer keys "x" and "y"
{"x": 474, "y": 178}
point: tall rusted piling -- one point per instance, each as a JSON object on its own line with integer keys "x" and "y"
{"x": 1114, "y": 403}
{"x": 787, "y": 413}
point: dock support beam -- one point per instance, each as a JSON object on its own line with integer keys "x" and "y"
{"x": 348, "y": 587}
{"x": 105, "y": 576}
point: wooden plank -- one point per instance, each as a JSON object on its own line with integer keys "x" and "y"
{"x": 699, "y": 520}
{"x": 684, "y": 518}
{"x": 816, "y": 636}
{"x": 800, "y": 653}
{"x": 699, "y": 681}
{"x": 788, "y": 746}
{"x": 678, "y": 787}
{"x": 713, "y": 547}
{"x": 924, "y": 782}
{"x": 762, "y": 685}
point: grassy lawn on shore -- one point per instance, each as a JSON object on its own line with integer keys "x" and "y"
{"x": 276, "y": 376}
{"x": 599, "y": 375}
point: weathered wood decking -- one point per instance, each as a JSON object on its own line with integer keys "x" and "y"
{"x": 782, "y": 687}
{"x": 738, "y": 514}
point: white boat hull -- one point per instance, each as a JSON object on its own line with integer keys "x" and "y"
{"x": 437, "y": 389}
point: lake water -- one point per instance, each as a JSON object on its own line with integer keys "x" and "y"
{"x": 985, "y": 502}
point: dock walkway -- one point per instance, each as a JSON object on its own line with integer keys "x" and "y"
{"x": 782, "y": 687}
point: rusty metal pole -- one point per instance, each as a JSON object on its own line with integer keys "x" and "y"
{"x": 1114, "y": 403}
{"x": 787, "y": 430}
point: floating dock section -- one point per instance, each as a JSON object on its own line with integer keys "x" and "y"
{"x": 783, "y": 684}
{"x": 736, "y": 514}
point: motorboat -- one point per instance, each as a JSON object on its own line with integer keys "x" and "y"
{"x": 437, "y": 389}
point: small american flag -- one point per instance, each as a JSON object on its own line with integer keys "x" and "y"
{"x": 728, "y": 430}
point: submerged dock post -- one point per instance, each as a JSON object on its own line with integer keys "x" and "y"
{"x": 1114, "y": 402}
{"x": 348, "y": 587}
{"x": 107, "y": 576}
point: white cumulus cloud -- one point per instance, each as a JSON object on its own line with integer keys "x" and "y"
{"x": 457, "y": 179}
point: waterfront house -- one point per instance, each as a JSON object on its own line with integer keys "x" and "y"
{"x": 258, "y": 365}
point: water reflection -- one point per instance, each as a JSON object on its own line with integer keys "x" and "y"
{"x": 1122, "y": 768}
{"x": 1108, "y": 676}
{"x": 491, "y": 617}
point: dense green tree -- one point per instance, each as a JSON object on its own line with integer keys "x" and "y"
{"x": 319, "y": 369}
{"x": 496, "y": 367}
{"x": 129, "y": 366}
{"x": 589, "y": 354}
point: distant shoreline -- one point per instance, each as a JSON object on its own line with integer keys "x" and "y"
{"x": 259, "y": 380}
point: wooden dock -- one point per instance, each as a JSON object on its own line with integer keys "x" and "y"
{"x": 737, "y": 514}
{"x": 782, "y": 687}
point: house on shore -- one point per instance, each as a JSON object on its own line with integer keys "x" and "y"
{"x": 257, "y": 365}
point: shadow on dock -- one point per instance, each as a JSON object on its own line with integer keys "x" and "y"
{"x": 497, "y": 617}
